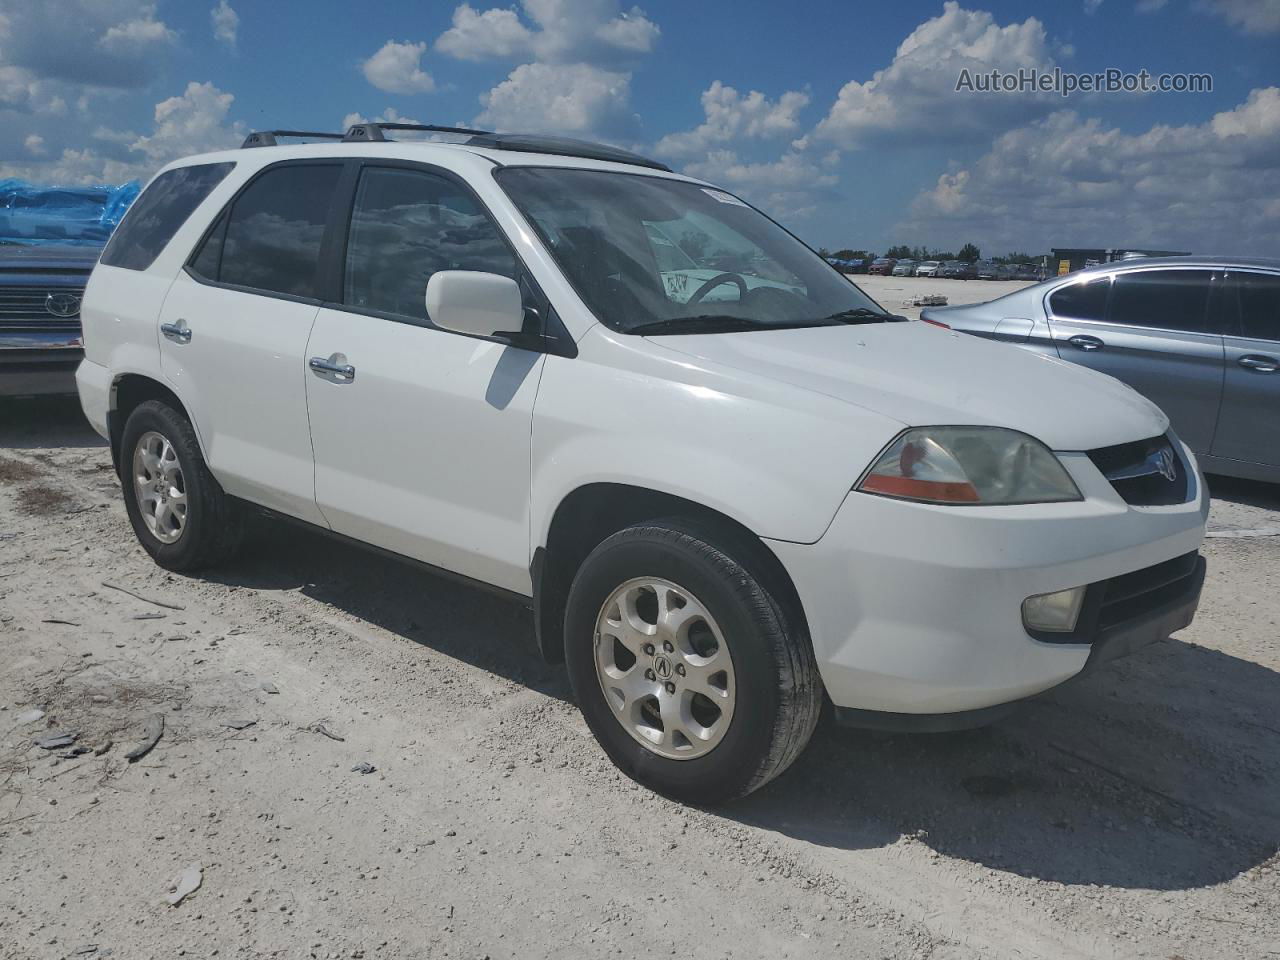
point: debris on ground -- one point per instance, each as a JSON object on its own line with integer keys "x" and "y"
{"x": 324, "y": 731}
{"x": 57, "y": 741}
{"x": 65, "y": 623}
{"x": 930, "y": 300}
{"x": 239, "y": 724}
{"x": 151, "y": 736}
{"x": 363, "y": 767}
{"x": 143, "y": 597}
{"x": 185, "y": 884}
{"x": 152, "y": 615}
{"x": 30, "y": 716}
{"x": 269, "y": 687}
{"x": 102, "y": 748}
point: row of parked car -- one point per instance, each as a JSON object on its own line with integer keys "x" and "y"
{"x": 957, "y": 269}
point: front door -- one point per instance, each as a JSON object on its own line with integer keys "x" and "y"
{"x": 1249, "y": 425}
{"x": 421, "y": 436}
{"x": 1155, "y": 331}
{"x": 234, "y": 329}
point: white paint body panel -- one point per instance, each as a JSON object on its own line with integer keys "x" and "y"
{"x": 457, "y": 451}
{"x": 426, "y": 451}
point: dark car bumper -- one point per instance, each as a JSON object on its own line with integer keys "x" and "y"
{"x": 1120, "y": 616}
{"x": 39, "y": 364}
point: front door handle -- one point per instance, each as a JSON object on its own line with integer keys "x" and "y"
{"x": 1085, "y": 342}
{"x": 1259, "y": 363}
{"x": 334, "y": 368}
{"x": 177, "y": 332}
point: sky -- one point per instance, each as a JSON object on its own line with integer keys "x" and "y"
{"x": 841, "y": 120}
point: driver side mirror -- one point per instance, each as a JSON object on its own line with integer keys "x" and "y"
{"x": 479, "y": 304}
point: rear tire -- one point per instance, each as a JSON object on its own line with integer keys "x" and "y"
{"x": 180, "y": 514}
{"x": 664, "y": 733}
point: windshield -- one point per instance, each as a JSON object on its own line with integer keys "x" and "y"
{"x": 652, "y": 255}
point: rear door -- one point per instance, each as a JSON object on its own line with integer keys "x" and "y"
{"x": 422, "y": 442}
{"x": 1154, "y": 329}
{"x": 1249, "y": 424}
{"x": 234, "y": 331}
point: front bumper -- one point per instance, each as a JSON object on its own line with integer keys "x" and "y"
{"x": 33, "y": 364}
{"x": 916, "y": 609}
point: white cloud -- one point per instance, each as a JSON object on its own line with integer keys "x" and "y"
{"x": 108, "y": 43}
{"x": 790, "y": 171}
{"x": 1249, "y": 16}
{"x": 1150, "y": 6}
{"x": 226, "y": 23}
{"x": 1091, "y": 6}
{"x": 34, "y": 144}
{"x": 574, "y": 98}
{"x": 389, "y": 115}
{"x": 397, "y": 68}
{"x": 915, "y": 99}
{"x": 195, "y": 122}
{"x": 731, "y": 116}
{"x": 1066, "y": 180}
{"x": 482, "y": 36}
{"x": 560, "y": 31}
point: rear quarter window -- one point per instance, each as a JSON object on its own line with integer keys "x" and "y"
{"x": 156, "y": 215}
{"x": 1081, "y": 301}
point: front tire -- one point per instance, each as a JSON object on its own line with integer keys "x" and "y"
{"x": 180, "y": 514}
{"x": 690, "y": 670}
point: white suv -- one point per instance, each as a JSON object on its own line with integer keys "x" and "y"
{"x": 729, "y": 484}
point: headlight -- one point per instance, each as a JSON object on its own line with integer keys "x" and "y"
{"x": 977, "y": 465}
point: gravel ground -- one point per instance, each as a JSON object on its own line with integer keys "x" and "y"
{"x": 892, "y": 292}
{"x": 1133, "y": 814}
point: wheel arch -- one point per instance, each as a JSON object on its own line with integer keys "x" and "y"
{"x": 590, "y": 513}
{"x": 128, "y": 391}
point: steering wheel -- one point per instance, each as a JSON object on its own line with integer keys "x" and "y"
{"x": 715, "y": 281}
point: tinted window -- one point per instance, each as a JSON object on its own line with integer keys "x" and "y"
{"x": 1165, "y": 299}
{"x": 1081, "y": 301}
{"x": 156, "y": 216}
{"x": 276, "y": 227}
{"x": 405, "y": 226}
{"x": 1259, "y": 305}
{"x": 209, "y": 257}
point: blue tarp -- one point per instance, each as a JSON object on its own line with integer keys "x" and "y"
{"x": 34, "y": 214}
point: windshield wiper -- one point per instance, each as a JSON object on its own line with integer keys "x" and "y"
{"x": 705, "y": 323}
{"x": 860, "y": 315}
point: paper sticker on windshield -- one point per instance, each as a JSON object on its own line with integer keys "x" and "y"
{"x": 723, "y": 197}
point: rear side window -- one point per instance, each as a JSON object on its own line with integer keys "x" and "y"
{"x": 156, "y": 216}
{"x": 274, "y": 232}
{"x": 1162, "y": 299}
{"x": 405, "y": 226}
{"x": 1081, "y": 301}
{"x": 1259, "y": 305}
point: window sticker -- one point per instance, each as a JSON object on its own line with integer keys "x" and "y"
{"x": 723, "y": 197}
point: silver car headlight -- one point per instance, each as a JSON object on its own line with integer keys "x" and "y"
{"x": 969, "y": 465}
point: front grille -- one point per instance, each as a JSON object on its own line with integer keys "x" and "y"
{"x": 1147, "y": 473}
{"x": 1131, "y": 595}
{"x": 25, "y": 308}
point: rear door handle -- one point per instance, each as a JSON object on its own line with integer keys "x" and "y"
{"x": 1085, "y": 342}
{"x": 334, "y": 369}
{"x": 1259, "y": 363}
{"x": 177, "y": 332}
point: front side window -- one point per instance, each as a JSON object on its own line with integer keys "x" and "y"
{"x": 653, "y": 255}
{"x": 1081, "y": 301}
{"x": 156, "y": 216}
{"x": 1161, "y": 299}
{"x": 274, "y": 231}
{"x": 1259, "y": 295}
{"x": 405, "y": 226}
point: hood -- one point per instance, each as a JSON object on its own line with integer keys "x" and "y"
{"x": 922, "y": 375}
{"x": 49, "y": 257}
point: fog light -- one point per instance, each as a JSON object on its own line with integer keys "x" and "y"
{"x": 1053, "y": 612}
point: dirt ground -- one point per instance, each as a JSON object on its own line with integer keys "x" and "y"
{"x": 892, "y": 293}
{"x": 1133, "y": 814}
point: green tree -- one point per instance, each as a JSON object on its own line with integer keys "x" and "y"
{"x": 969, "y": 253}
{"x": 900, "y": 252}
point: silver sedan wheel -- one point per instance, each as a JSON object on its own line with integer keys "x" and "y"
{"x": 665, "y": 668}
{"x": 160, "y": 487}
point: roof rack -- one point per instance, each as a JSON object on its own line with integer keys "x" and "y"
{"x": 267, "y": 138}
{"x": 520, "y": 142}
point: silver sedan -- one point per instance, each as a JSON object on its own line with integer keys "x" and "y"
{"x": 1198, "y": 336}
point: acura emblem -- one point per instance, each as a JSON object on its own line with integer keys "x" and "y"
{"x": 62, "y": 305}
{"x": 1164, "y": 463}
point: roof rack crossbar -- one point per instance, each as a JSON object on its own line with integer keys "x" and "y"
{"x": 267, "y": 138}
{"x": 373, "y": 131}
